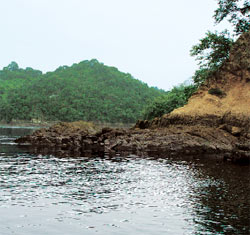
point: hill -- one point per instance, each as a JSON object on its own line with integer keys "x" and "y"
{"x": 87, "y": 91}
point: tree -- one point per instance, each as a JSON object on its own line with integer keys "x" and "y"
{"x": 214, "y": 48}
{"x": 211, "y": 52}
{"x": 13, "y": 66}
{"x": 237, "y": 12}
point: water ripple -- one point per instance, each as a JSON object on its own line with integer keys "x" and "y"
{"x": 132, "y": 195}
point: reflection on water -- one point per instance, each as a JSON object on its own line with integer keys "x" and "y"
{"x": 222, "y": 206}
{"x": 49, "y": 195}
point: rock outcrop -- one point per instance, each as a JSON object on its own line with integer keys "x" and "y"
{"x": 64, "y": 138}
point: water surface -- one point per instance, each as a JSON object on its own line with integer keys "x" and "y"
{"x": 132, "y": 195}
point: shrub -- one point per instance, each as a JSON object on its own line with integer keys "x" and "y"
{"x": 175, "y": 98}
{"x": 216, "y": 91}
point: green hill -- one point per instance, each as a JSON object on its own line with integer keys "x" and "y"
{"x": 87, "y": 91}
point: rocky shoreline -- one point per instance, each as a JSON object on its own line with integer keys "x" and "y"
{"x": 223, "y": 142}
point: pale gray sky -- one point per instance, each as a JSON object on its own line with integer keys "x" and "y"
{"x": 150, "y": 39}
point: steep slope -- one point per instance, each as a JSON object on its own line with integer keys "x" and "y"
{"x": 233, "y": 80}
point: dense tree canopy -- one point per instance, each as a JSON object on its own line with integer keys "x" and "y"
{"x": 87, "y": 91}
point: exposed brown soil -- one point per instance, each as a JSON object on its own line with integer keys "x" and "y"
{"x": 233, "y": 79}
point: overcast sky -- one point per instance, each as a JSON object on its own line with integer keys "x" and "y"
{"x": 149, "y": 39}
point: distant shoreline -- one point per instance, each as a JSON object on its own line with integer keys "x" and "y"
{"x": 46, "y": 124}
{"x": 26, "y": 124}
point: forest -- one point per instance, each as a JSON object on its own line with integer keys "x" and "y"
{"x": 87, "y": 91}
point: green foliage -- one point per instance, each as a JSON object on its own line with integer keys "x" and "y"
{"x": 13, "y": 66}
{"x": 175, "y": 98}
{"x": 87, "y": 91}
{"x": 211, "y": 52}
{"x": 236, "y": 11}
{"x": 12, "y": 78}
